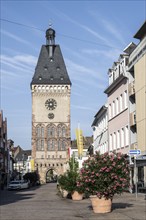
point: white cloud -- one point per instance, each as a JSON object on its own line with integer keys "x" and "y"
{"x": 27, "y": 59}
{"x": 95, "y": 34}
{"x": 11, "y": 89}
{"x": 111, "y": 54}
{"x": 113, "y": 30}
{"x": 83, "y": 107}
{"x": 76, "y": 94}
{"x": 8, "y": 34}
{"x": 86, "y": 28}
{"x": 76, "y": 85}
{"x": 20, "y": 62}
{"x": 8, "y": 73}
{"x": 77, "y": 70}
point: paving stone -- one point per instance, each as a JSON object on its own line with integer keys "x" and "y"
{"x": 43, "y": 203}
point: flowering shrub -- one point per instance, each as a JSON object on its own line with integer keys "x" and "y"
{"x": 105, "y": 175}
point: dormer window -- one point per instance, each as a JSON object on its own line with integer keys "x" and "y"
{"x": 51, "y": 78}
{"x": 45, "y": 68}
{"x": 51, "y": 59}
{"x": 40, "y": 78}
{"x": 61, "y": 78}
{"x": 58, "y": 68}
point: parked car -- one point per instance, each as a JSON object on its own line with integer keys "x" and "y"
{"x": 18, "y": 184}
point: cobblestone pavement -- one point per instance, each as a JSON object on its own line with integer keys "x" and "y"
{"x": 43, "y": 203}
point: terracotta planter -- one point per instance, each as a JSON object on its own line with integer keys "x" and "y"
{"x": 77, "y": 196}
{"x": 101, "y": 205}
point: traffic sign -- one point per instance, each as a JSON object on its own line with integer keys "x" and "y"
{"x": 134, "y": 152}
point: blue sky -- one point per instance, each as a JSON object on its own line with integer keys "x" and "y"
{"x": 91, "y": 34}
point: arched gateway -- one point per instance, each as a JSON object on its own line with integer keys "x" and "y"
{"x": 51, "y": 176}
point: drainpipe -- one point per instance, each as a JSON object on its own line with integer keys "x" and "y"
{"x": 129, "y": 128}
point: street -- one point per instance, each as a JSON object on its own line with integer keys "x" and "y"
{"x": 43, "y": 203}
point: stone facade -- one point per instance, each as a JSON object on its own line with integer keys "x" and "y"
{"x": 54, "y": 159}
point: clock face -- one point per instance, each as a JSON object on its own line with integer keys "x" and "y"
{"x": 51, "y": 104}
{"x": 50, "y": 115}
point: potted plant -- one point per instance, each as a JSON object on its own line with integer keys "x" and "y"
{"x": 61, "y": 183}
{"x": 68, "y": 180}
{"x": 103, "y": 176}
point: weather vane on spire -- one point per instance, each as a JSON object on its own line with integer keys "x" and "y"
{"x": 50, "y": 23}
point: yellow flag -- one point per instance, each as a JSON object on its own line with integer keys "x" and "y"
{"x": 79, "y": 137}
{"x": 32, "y": 164}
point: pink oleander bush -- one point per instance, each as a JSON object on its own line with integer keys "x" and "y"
{"x": 105, "y": 175}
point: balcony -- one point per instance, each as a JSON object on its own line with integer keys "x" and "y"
{"x": 131, "y": 89}
{"x": 133, "y": 118}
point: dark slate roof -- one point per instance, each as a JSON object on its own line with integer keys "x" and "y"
{"x": 141, "y": 32}
{"x": 101, "y": 111}
{"x": 23, "y": 155}
{"x": 51, "y": 70}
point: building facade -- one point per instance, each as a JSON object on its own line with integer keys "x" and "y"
{"x": 21, "y": 157}
{"x": 50, "y": 88}
{"x": 126, "y": 99}
{"x": 6, "y": 157}
{"x": 100, "y": 130}
{"x": 118, "y": 112}
{"x": 3, "y": 150}
{"x": 137, "y": 70}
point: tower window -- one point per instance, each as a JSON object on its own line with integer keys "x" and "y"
{"x": 61, "y": 145}
{"x": 51, "y": 131}
{"x": 39, "y": 132}
{"x": 42, "y": 144}
{"x": 59, "y": 131}
{"x": 51, "y": 145}
{"x": 63, "y": 131}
